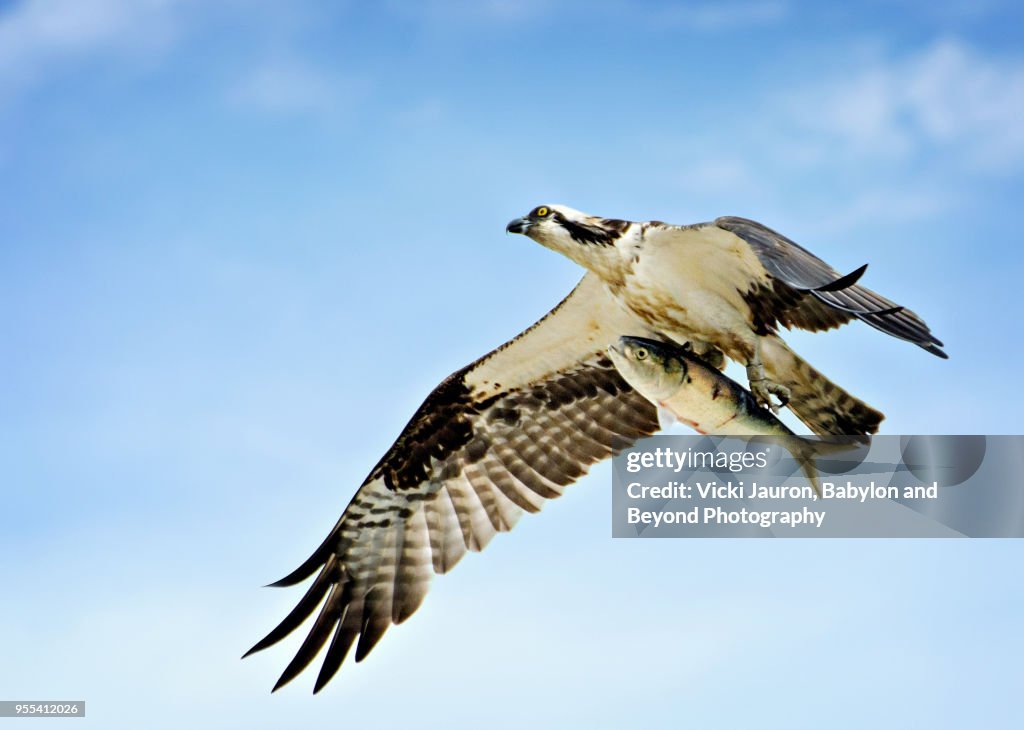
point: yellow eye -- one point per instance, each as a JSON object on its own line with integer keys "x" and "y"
{"x": 641, "y": 354}
{"x": 542, "y": 212}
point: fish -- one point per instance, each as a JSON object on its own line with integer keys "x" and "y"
{"x": 698, "y": 395}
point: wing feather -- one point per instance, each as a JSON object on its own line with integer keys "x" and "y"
{"x": 446, "y": 544}
{"x": 322, "y": 628}
{"x": 810, "y": 294}
{"x": 517, "y": 492}
{"x": 341, "y": 644}
{"x": 414, "y": 567}
{"x": 494, "y": 440}
{"x": 477, "y": 529}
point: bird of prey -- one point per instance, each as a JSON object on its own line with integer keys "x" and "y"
{"x": 725, "y": 287}
{"x": 510, "y": 431}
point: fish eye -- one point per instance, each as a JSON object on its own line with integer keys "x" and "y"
{"x": 640, "y": 353}
{"x": 541, "y": 212}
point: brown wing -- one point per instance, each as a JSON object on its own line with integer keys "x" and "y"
{"x": 494, "y": 440}
{"x": 809, "y": 294}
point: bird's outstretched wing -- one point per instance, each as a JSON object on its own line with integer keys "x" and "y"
{"x": 494, "y": 440}
{"x": 809, "y": 294}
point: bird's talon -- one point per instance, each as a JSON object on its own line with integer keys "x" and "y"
{"x": 781, "y": 392}
{"x": 763, "y": 390}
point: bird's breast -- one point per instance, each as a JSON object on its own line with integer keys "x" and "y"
{"x": 691, "y": 288}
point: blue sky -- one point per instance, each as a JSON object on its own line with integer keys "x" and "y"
{"x": 240, "y": 242}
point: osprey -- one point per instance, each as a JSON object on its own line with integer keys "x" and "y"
{"x": 724, "y": 288}
{"x": 510, "y": 431}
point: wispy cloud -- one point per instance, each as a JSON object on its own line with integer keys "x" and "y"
{"x": 292, "y": 87}
{"x": 947, "y": 98}
{"x": 897, "y": 139}
{"x": 701, "y": 17}
{"x": 710, "y": 17}
{"x": 720, "y": 175}
{"x": 882, "y": 205}
{"x": 427, "y": 112}
{"x": 468, "y": 12}
{"x": 37, "y": 36}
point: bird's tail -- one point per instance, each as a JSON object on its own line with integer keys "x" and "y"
{"x": 827, "y": 409}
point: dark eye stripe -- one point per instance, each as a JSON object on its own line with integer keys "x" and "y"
{"x": 582, "y": 233}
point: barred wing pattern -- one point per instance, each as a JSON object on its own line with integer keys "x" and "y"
{"x": 495, "y": 439}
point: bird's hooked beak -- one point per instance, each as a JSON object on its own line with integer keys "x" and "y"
{"x": 517, "y": 225}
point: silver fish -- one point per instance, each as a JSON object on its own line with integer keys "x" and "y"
{"x": 710, "y": 402}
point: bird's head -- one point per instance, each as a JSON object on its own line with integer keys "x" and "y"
{"x": 570, "y": 232}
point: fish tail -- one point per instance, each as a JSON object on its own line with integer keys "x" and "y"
{"x": 805, "y": 457}
{"x": 827, "y": 409}
{"x": 807, "y": 450}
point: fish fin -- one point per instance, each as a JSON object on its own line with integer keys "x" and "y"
{"x": 666, "y": 418}
{"x": 807, "y": 450}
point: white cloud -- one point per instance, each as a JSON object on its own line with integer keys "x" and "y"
{"x": 878, "y": 206}
{"x": 958, "y": 97}
{"x": 37, "y": 35}
{"x": 719, "y": 175}
{"x": 425, "y": 113}
{"x": 947, "y": 98}
{"x": 893, "y": 140}
{"x": 703, "y": 17}
{"x": 292, "y": 87}
{"x": 41, "y": 37}
{"x": 961, "y": 11}
{"x": 722, "y": 16}
{"x": 458, "y": 13}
